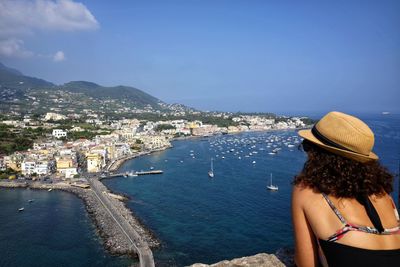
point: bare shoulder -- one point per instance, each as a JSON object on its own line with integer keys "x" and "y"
{"x": 301, "y": 195}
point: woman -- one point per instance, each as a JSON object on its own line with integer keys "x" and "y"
{"x": 342, "y": 212}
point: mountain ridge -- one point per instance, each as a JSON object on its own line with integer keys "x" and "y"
{"x": 14, "y": 79}
{"x": 18, "y": 84}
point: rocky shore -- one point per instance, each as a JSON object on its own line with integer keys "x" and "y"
{"x": 283, "y": 257}
{"x": 113, "y": 238}
{"x": 259, "y": 260}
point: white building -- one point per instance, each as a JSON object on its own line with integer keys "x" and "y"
{"x": 154, "y": 141}
{"x": 32, "y": 167}
{"x": 68, "y": 172}
{"x": 28, "y": 167}
{"x": 54, "y": 116}
{"x": 58, "y": 133}
{"x": 42, "y": 168}
{"x": 94, "y": 162}
{"x": 149, "y": 126}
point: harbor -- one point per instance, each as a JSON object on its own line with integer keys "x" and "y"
{"x": 121, "y": 232}
{"x": 183, "y": 199}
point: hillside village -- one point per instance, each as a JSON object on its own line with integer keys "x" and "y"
{"x": 62, "y": 132}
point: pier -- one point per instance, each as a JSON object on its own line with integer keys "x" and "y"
{"x": 151, "y": 172}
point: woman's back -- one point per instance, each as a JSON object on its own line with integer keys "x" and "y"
{"x": 344, "y": 231}
{"x": 324, "y": 222}
{"x": 341, "y": 208}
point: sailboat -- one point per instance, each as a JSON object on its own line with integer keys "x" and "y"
{"x": 211, "y": 172}
{"x": 271, "y": 186}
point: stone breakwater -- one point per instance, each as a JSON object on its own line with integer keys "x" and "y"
{"x": 114, "y": 240}
{"x": 130, "y": 218}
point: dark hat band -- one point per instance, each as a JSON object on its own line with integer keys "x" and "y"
{"x": 328, "y": 142}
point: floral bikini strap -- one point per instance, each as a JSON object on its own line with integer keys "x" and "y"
{"x": 396, "y": 213}
{"x": 334, "y": 209}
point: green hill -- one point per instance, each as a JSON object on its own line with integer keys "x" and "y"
{"x": 14, "y": 85}
{"x": 123, "y": 93}
{"x": 13, "y": 79}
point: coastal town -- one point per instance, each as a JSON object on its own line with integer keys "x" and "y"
{"x": 73, "y": 155}
{"x": 56, "y": 157}
{"x": 70, "y": 137}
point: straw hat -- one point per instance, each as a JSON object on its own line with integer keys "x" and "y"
{"x": 343, "y": 135}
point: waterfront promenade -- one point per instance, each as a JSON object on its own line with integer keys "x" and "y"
{"x": 115, "y": 164}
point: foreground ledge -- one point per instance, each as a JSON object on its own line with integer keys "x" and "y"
{"x": 261, "y": 260}
{"x": 283, "y": 257}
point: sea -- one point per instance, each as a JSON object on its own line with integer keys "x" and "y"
{"x": 196, "y": 218}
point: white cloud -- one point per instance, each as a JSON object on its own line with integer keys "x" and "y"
{"x": 19, "y": 18}
{"x": 59, "y": 56}
{"x": 24, "y": 16}
{"x": 14, "y": 48}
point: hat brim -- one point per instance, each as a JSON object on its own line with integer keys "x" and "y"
{"x": 307, "y": 134}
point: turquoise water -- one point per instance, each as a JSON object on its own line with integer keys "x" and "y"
{"x": 206, "y": 220}
{"x": 197, "y": 219}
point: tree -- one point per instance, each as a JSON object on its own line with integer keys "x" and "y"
{"x": 162, "y": 127}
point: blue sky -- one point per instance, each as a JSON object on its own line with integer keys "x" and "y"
{"x": 272, "y": 56}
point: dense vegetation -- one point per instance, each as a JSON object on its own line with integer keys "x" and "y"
{"x": 161, "y": 127}
{"x": 84, "y": 135}
{"x": 7, "y": 173}
{"x": 12, "y": 139}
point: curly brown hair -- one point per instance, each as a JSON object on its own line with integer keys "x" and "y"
{"x": 328, "y": 173}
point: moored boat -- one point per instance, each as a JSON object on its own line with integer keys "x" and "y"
{"x": 271, "y": 186}
{"x": 211, "y": 171}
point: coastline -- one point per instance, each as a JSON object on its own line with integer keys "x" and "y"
{"x": 112, "y": 238}
{"x": 183, "y": 138}
{"x": 279, "y": 258}
{"x": 114, "y": 241}
{"x": 116, "y": 164}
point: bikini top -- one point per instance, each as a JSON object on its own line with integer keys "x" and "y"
{"x": 336, "y": 254}
{"x": 347, "y": 226}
